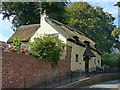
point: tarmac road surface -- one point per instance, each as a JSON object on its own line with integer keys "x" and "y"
{"x": 109, "y": 85}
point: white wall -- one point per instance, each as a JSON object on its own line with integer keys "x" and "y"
{"x": 45, "y": 28}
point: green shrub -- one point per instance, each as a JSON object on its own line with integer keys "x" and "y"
{"x": 48, "y": 48}
{"x": 112, "y": 60}
{"x": 17, "y": 43}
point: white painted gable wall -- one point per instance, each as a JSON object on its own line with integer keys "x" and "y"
{"x": 45, "y": 28}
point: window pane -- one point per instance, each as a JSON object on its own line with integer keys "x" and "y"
{"x": 76, "y": 57}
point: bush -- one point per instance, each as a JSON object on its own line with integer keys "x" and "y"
{"x": 48, "y": 48}
{"x": 17, "y": 43}
{"x": 112, "y": 60}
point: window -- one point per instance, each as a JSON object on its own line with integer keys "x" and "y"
{"x": 76, "y": 56}
{"x": 98, "y": 62}
{"x": 95, "y": 61}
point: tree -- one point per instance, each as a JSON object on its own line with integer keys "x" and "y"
{"x": 115, "y": 34}
{"x": 116, "y": 31}
{"x": 93, "y": 22}
{"x": 48, "y": 48}
{"x": 117, "y": 4}
{"x": 24, "y": 13}
{"x": 29, "y": 12}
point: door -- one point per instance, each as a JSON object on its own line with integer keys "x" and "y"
{"x": 87, "y": 66}
{"x": 86, "y": 59}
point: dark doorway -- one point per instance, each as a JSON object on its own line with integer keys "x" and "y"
{"x": 86, "y": 59}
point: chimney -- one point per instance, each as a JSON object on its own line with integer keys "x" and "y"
{"x": 44, "y": 13}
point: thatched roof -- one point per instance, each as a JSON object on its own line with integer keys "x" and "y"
{"x": 72, "y": 34}
{"x": 68, "y": 31}
{"x": 24, "y": 33}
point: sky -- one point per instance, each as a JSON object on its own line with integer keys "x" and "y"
{"x": 107, "y": 5}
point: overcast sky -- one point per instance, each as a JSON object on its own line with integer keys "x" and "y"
{"x": 107, "y": 5}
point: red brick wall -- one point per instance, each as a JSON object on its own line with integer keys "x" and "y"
{"x": 19, "y": 70}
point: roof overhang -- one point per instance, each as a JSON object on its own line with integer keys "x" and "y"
{"x": 88, "y": 53}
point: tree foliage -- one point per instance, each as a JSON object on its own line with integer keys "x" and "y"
{"x": 93, "y": 22}
{"x": 116, "y": 34}
{"x": 48, "y": 48}
{"x": 117, "y": 4}
{"x": 116, "y": 31}
{"x": 24, "y": 13}
{"x": 29, "y": 12}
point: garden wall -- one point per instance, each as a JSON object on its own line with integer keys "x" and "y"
{"x": 91, "y": 81}
{"x": 24, "y": 71}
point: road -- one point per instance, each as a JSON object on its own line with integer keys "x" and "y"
{"x": 109, "y": 85}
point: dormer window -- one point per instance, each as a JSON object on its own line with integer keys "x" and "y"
{"x": 76, "y": 38}
{"x": 77, "y": 41}
{"x": 87, "y": 43}
{"x": 95, "y": 45}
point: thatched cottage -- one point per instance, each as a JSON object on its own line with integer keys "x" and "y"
{"x": 84, "y": 54}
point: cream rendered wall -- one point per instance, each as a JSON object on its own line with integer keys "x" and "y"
{"x": 92, "y": 65}
{"x": 98, "y": 58}
{"x": 80, "y": 65}
{"x": 45, "y": 28}
{"x": 76, "y": 49}
{"x": 94, "y": 61}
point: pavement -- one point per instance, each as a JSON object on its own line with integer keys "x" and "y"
{"x": 62, "y": 82}
{"x": 109, "y": 85}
